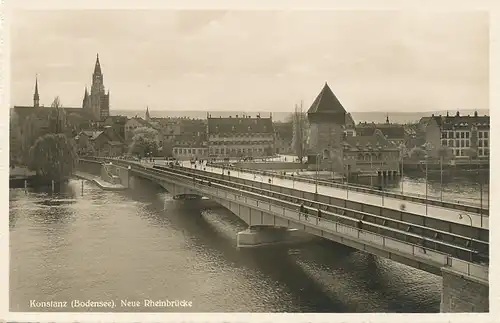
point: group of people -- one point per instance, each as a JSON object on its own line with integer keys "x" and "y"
{"x": 303, "y": 211}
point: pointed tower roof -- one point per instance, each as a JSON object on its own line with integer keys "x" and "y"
{"x": 326, "y": 102}
{"x": 86, "y": 94}
{"x": 147, "y": 113}
{"x": 97, "y": 67}
{"x": 36, "y": 87}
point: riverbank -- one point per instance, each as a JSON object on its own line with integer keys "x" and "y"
{"x": 99, "y": 182}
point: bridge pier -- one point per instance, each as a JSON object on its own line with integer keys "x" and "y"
{"x": 258, "y": 236}
{"x": 463, "y": 294}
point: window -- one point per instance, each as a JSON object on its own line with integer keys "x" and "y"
{"x": 444, "y": 135}
{"x": 480, "y": 152}
{"x": 457, "y": 143}
{"x": 486, "y": 134}
{"x": 450, "y": 143}
{"x": 467, "y": 143}
{"x": 486, "y": 143}
{"x": 480, "y": 143}
{"x": 462, "y": 135}
{"x": 467, "y": 135}
{"x": 480, "y": 133}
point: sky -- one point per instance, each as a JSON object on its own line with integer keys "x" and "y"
{"x": 254, "y": 60}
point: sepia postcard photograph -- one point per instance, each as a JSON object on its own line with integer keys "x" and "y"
{"x": 248, "y": 161}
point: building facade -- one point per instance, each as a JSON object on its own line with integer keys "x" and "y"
{"x": 370, "y": 153}
{"x": 460, "y": 133}
{"x": 241, "y": 136}
{"x": 190, "y": 147}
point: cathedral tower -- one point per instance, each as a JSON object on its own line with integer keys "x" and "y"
{"x": 98, "y": 100}
{"x": 36, "y": 97}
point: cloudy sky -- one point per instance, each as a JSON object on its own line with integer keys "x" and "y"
{"x": 254, "y": 60}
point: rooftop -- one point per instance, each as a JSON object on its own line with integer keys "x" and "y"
{"x": 326, "y": 102}
{"x": 240, "y": 125}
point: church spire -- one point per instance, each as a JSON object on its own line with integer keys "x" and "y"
{"x": 36, "y": 97}
{"x": 97, "y": 67}
{"x": 387, "y": 118}
{"x": 147, "y": 114}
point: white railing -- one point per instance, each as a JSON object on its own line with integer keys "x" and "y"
{"x": 435, "y": 258}
{"x": 359, "y": 188}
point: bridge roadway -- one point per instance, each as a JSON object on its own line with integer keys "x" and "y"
{"x": 432, "y": 211}
{"x": 470, "y": 205}
{"x": 474, "y": 236}
{"x": 420, "y": 229}
{"x": 332, "y": 226}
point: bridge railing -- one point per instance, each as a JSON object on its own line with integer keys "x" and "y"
{"x": 416, "y": 227}
{"x": 414, "y": 197}
{"x": 432, "y": 257}
{"x": 463, "y": 229}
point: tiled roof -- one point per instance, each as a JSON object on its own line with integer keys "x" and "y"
{"x": 117, "y": 119}
{"x": 191, "y": 140}
{"x": 450, "y": 122}
{"x": 240, "y": 125}
{"x": 375, "y": 142}
{"x": 326, "y": 102}
{"x": 92, "y": 134}
{"x": 391, "y": 131}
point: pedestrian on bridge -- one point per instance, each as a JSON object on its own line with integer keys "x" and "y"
{"x": 319, "y": 214}
{"x": 301, "y": 209}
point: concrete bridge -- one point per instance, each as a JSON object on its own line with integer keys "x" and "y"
{"x": 454, "y": 250}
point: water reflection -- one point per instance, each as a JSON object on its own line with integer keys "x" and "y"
{"x": 142, "y": 244}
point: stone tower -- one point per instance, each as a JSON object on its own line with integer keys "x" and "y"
{"x": 327, "y": 118}
{"x": 36, "y": 97}
{"x": 98, "y": 100}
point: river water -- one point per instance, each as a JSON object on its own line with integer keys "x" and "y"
{"x": 141, "y": 244}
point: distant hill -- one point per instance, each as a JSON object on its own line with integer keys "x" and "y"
{"x": 377, "y": 117}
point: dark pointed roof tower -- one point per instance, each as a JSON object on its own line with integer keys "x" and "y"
{"x": 147, "y": 114}
{"x": 36, "y": 97}
{"x": 326, "y": 108}
{"x": 97, "y": 67}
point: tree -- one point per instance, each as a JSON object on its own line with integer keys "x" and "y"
{"x": 145, "y": 141}
{"x": 15, "y": 139}
{"x": 299, "y": 139}
{"x": 57, "y": 118}
{"x": 417, "y": 153}
{"x": 31, "y": 131}
{"x": 53, "y": 157}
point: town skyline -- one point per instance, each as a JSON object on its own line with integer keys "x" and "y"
{"x": 441, "y": 60}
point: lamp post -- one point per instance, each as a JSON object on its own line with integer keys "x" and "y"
{"x": 347, "y": 181}
{"x": 371, "y": 170}
{"x": 426, "y": 189}
{"x": 441, "y": 179}
{"x": 317, "y": 170}
{"x": 460, "y": 216}
{"x": 403, "y": 151}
